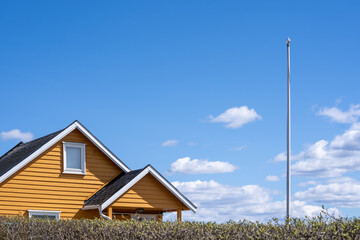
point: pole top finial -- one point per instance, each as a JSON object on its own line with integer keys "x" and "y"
{"x": 288, "y": 41}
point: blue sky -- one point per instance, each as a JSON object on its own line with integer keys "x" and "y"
{"x": 141, "y": 73}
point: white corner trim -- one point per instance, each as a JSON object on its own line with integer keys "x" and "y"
{"x": 160, "y": 178}
{"x": 58, "y": 138}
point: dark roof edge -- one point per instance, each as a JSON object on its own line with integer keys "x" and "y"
{"x": 11, "y": 149}
{"x": 116, "y": 178}
{"x": 44, "y": 146}
{"x": 160, "y": 178}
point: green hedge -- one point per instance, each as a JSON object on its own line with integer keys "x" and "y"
{"x": 316, "y": 228}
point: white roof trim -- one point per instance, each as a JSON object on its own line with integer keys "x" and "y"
{"x": 66, "y": 131}
{"x": 102, "y": 147}
{"x": 161, "y": 179}
{"x": 90, "y": 207}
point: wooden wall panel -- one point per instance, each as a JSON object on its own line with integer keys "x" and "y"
{"x": 149, "y": 194}
{"x": 41, "y": 185}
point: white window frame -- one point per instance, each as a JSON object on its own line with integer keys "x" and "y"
{"x": 81, "y": 146}
{"x": 56, "y": 214}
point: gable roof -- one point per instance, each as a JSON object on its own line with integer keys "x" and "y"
{"x": 23, "y": 153}
{"x": 111, "y": 188}
{"x": 123, "y": 182}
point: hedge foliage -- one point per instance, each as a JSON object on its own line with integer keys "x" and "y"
{"x": 321, "y": 227}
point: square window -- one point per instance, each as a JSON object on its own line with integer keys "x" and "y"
{"x": 74, "y": 158}
{"x": 44, "y": 214}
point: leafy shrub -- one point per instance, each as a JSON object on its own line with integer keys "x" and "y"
{"x": 321, "y": 227}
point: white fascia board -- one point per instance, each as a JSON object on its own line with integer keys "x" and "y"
{"x": 172, "y": 189}
{"x": 37, "y": 152}
{"x": 124, "y": 189}
{"x": 160, "y": 178}
{"x": 90, "y": 207}
{"x": 61, "y": 135}
{"x": 106, "y": 151}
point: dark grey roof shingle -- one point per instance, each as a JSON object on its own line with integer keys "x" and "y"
{"x": 22, "y": 151}
{"x": 112, "y": 187}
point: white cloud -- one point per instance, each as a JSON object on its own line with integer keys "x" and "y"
{"x": 329, "y": 159}
{"x": 280, "y": 157}
{"x": 240, "y": 148}
{"x": 342, "y": 180}
{"x": 220, "y": 203}
{"x": 272, "y": 178}
{"x": 337, "y": 115}
{"x": 170, "y": 143}
{"x": 197, "y": 166}
{"x": 349, "y": 141}
{"x": 17, "y": 134}
{"x": 236, "y": 117}
{"x": 307, "y": 183}
{"x": 341, "y": 194}
{"x": 315, "y": 150}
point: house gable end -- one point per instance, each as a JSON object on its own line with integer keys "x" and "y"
{"x": 149, "y": 193}
{"x": 147, "y": 170}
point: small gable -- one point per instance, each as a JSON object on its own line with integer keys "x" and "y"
{"x": 149, "y": 193}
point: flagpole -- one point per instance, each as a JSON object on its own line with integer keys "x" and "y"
{"x": 288, "y": 172}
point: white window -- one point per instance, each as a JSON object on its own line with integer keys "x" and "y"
{"x": 74, "y": 158}
{"x": 44, "y": 214}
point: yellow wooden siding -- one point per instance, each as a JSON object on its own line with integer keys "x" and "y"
{"x": 149, "y": 194}
{"x": 41, "y": 185}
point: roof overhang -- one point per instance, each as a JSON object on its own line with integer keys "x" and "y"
{"x": 66, "y": 131}
{"x": 90, "y": 207}
{"x": 143, "y": 173}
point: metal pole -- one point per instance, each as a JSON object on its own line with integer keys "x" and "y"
{"x": 288, "y": 172}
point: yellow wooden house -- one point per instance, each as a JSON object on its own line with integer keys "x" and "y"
{"x": 70, "y": 174}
